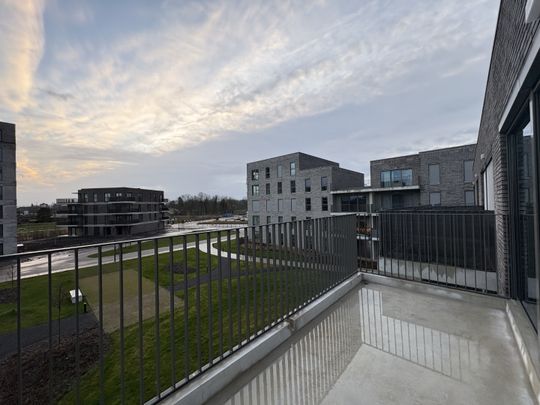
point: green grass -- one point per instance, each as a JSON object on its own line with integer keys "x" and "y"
{"x": 165, "y": 242}
{"x": 262, "y": 251}
{"x": 238, "y": 309}
{"x": 36, "y": 226}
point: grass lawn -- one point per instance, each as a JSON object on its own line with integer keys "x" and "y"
{"x": 239, "y": 300}
{"x": 177, "y": 240}
{"x": 111, "y": 298}
{"x": 36, "y": 226}
{"x": 263, "y": 251}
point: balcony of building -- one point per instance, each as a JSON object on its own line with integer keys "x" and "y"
{"x": 278, "y": 313}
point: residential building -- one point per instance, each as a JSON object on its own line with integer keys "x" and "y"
{"x": 294, "y": 187}
{"x": 116, "y": 211}
{"x": 8, "y": 190}
{"x": 440, "y": 177}
{"x": 506, "y": 165}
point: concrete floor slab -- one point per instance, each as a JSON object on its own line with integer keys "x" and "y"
{"x": 384, "y": 345}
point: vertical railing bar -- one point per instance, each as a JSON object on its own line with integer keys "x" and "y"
{"x": 101, "y": 347}
{"x": 269, "y": 272}
{"x": 186, "y": 310}
{"x": 121, "y": 293}
{"x": 248, "y": 283}
{"x": 198, "y": 300}
{"x": 260, "y": 284}
{"x": 483, "y": 216}
{"x": 254, "y": 258}
{"x": 49, "y": 317}
{"x": 156, "y": 312}
{"x": 140, "y": 313}
{"x": 277, "y": 314}
{"x": 444, "y": 218}
{"x": 437, "y": 246}
{"x": 19, "y": 326}
{"x": 464, "y": 236}
{"x": 292, "y": 260}
{"x": 230, "y": 306}
{"x": 171, "y": 310}
{"x": 77, "y": 331}
{"x": 282, "y": 274}
{"x": 454, "y": 247}
{"x": 474, "y": 250}
{"x": 287, "y": 269}
{"x": 210, "y": 294}
{"x": 238, "y": 286}
{"x": 220, "y": 296}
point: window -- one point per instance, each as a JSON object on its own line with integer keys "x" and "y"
{"x": 293, "y": 219}
{"x": 267, "y": 205}
{"x": 267, "y": 172}
{"x": 324, "y": 203}
{"x": 435, "y": 198}
{"x": 256, "y": 205}
{"x": 280, "y": 205}
{"x": 267, "y": 188}
{"x": 308, "y": 204}
{"x": 386, "y": 179}
{"x": 468, "y": 171}
{"x": 469, "y": 197}
{"x": 307, "y": 185}
{"x": 268, "y": 219}
{"x": 434, "y": 175}
{"x": 95, "y": 197}
{"x": 406, "y": 177}
{"x": 489, "y": 187}
{"x": 118, "y": 195}
{"x": 324, "y": 183}
{"x": 1, "y": 193}
{"x": 255, "y": 174}
{"x": 107, "y": 196}
{"x": 256, "y": 220}
{"x": 85, "y": 195}
{"x": 293, "y": 168}
{"x": 293, "y": 186}
{"x": 280, "y": 171}
{"x": 280, "y": 219}
{"x": 1, "y": 174}
{"x": 255, "y": 190}
{"x": 1, "y": 231}
{"x": 1, "y": 248}
{"x": 279, "y": 187}
{"x": 396, "y": 178}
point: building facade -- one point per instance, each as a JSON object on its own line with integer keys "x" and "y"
{"x": 506, "y": 162}
{"x": 113, "y": 212}
{"x": 441, "y": 177}
{"x": 296, "y": 186}
{"x": 8, "y": 189}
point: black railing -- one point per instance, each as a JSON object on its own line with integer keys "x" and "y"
{"x": 454, "y": 247}
{"x": 132, "y": 321}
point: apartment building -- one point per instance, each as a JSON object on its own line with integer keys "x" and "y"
{"x": 112, "y": 212}
{"x": 294, "y": 187}
{"x": 8, "y": 190}
{"x": 440, "y": 177}
{"x": 506, "y": 165}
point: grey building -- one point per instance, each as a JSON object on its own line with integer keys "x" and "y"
{"x": 506, "y": 163}
{"x": 294, "y": 187}
{"x": 119, "y": 211}
{"x": 8, "y": 189}
{"x": 435, "y": 177}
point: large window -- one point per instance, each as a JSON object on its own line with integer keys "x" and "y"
{"x": 488, "y": 187}
{"x": 107, "y": 196}
{"x": 293, "y": 204}
{"x": 279, "y": 187}
{"x": 268, "y": 219}
{"x": 256, "y": 205}
{"x": 280, "y": 205}
{"x": 469, "y": 197}
{"x": 293, "y": 168}
{"x": 254, "y": 190}
{"x": 468, "y": 175}
{"x": 256, "y": 220}
{"x": 353, "y": 203}
{"x": 255, "y": 174}
{"x": 267, "y": 172}
{"x": 267, "y": 188}
{"x": 307, "y": 185}
{"x": 324, "y": 183}
{"x": 308, "y": 204}
{"x": 434, "y": 175}
{"x": 324, "y": 203}
{"x": 293, "y": 186}
{"x": 280, "y": 171}
{"x": 396, "y": 178}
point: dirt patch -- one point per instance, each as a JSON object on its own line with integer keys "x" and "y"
{"x": 35, "y": 368}
{"x": 8, "y": 295}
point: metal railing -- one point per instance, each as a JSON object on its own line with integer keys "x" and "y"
{"x": 451, "y": 247}
{"x": 133, "y": 321}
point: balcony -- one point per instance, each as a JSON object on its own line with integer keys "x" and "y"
{"x": 277, "y": 313}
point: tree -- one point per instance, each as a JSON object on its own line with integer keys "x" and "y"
{"x": 43, "y": 214}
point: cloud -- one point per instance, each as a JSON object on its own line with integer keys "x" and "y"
{"x": 202, "y": 71}
{"x": 21, "y": 48}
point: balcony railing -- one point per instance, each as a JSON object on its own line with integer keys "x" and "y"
{"x": 453, "y": 247}
{"x": 133, "y": 321}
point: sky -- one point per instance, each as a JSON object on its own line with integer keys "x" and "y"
{"x": 180, "y": 95}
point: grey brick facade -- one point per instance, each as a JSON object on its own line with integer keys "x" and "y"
{"x": 8, "y": 189}
{"x": 267, "y": 206}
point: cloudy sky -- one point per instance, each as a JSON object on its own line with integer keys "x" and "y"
{"x": 179, "y": 95}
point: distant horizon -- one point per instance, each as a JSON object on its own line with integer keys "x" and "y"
{"x": 180, "y": 96}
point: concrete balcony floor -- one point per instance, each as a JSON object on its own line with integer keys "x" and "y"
{"x": 386, "y": 345}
